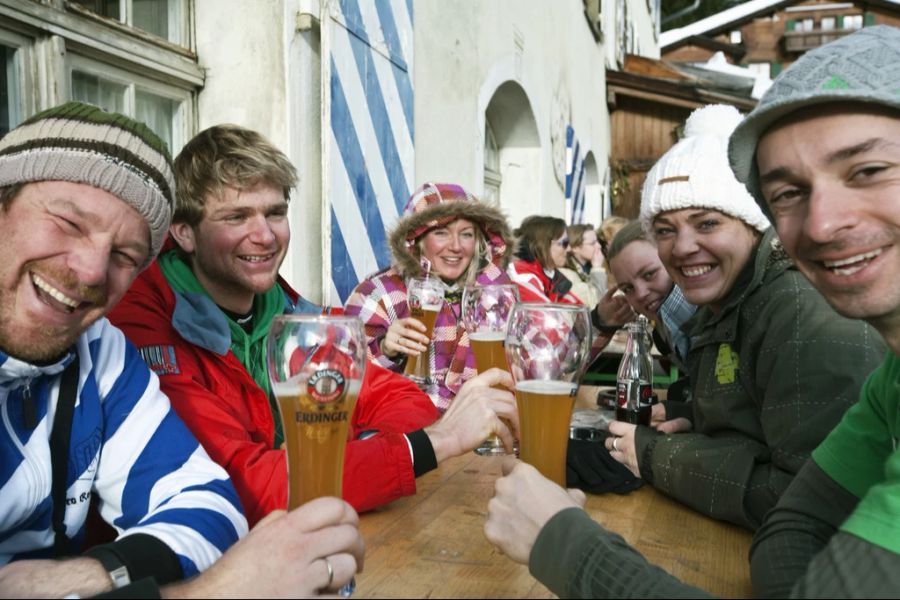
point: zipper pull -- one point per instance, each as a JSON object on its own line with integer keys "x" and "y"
{"x": 29, "y": 410}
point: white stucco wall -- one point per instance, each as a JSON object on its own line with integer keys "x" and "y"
{"x": 263, "y": 74}
{"x": 465, "y": 51}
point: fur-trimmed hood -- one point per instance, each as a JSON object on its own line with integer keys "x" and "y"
{"x": 435, "y": 205}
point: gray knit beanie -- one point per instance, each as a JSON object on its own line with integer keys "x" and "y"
{"x": 861, "y": 67}
{"x": 81, "y": 143}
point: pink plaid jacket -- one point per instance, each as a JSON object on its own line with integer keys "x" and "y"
{"x": 381, "y": 299}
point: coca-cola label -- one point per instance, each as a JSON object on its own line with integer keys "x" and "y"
{"x": 645, "y": 393}
{"x": 326, "y": 385}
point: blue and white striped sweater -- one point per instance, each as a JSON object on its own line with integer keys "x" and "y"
{"x": 128, "y": 446}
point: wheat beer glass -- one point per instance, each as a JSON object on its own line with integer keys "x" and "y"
{"x": 547, "y": 348}
{"x": 316, "y": 365}
{"x": 485, "y": 312}
{"x": 425, "y": 296}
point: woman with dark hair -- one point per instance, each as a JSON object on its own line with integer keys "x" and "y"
{"x": 541, "y": 250}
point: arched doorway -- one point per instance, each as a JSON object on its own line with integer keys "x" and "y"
{"x": 512, "y": 153}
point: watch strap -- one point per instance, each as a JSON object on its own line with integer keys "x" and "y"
{"x": 118, "y": 572}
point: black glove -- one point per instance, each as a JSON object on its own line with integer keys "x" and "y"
{"x": 590, "y": 467}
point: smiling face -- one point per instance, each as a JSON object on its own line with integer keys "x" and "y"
{"x": 641, "y": 277}
{"x": 450, "y": 249}
{"x": 69, "y": 253}
{"x": 237, "y": 247}
{"x": 704, "y": 251}
{"x": 836, "y": 203}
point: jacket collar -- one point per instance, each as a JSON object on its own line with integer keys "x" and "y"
{"x": 15, "y": 371}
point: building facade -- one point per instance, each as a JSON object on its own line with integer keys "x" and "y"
{"x": 369, "y": 99}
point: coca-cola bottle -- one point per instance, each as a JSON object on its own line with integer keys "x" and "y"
{"x": 634, "y": 381}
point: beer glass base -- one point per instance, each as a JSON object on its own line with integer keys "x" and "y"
{"x": 418, "y": 380}
{"x": 348, "y": 588}
{"x": 489, "y": 449}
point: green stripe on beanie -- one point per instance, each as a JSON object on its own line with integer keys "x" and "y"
{"x": 81, "y": 143}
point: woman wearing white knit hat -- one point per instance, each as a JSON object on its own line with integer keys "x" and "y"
{"x": 772, "y": 366}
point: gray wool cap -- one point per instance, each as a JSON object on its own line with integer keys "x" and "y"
{"x": 861, "y": 67}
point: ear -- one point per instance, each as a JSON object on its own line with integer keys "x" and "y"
{"x": 183, "y": 235}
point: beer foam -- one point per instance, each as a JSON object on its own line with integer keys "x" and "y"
{"x": 548, "y": 387}
{"x": 488, "y": 336}
{"x": 293, "y": 387}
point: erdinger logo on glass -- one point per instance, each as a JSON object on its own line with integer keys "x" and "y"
{"x": 326, "y": 386}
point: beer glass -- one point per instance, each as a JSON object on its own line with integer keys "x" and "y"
{"x": 547, "y": 349}
{"x": 425, "y": 296}
{"x": 316, "y": 365}
{"x": 485, "y": 313}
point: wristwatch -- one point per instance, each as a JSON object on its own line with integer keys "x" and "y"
{"x": 117, "y": 571}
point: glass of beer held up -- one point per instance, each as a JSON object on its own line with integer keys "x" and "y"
{"x": 485, "y": 311}
{"x": 316, "y": 365}
{"x": 425, "y": 296}
{"x": 547, "y": 349}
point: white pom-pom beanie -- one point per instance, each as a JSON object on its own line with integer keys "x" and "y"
{"x": 695, "y": 173}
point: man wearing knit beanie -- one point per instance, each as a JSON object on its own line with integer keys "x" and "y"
{"x": 821, "y": 155}
{"x": 85, "y": 203}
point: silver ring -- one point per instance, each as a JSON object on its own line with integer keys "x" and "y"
{"x": 330, "y": 572}
{"x": 616, "y": 444}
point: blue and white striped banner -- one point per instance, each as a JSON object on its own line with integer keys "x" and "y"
{"x": 371, "y": 154}
{"x": 574, "y": 178}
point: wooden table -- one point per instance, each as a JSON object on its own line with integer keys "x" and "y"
{"x": 432, "y": 544}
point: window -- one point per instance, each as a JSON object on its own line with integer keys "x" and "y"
{"x": 735, "y": 36}
{"x": 853, "y": 21}
{"x": 80, "y": 50}
{"x": 15, "y": 100}
{"x": 163, "y": 18}
{"x": 10, "y": 115}
{"x": 165, "y": 109}
{"x": 492, "y": 177}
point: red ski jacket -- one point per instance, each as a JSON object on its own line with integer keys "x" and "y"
{"x": 185, "y": 340}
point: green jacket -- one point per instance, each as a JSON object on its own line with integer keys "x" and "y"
{"x": 771, "y": 374}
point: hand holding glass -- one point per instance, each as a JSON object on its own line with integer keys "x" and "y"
{"x": 485, "y": 311}
{"x": 425, "y": 296}
{"x": 547, "y": 349}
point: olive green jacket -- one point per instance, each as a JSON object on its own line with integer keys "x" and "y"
{"x": 771, "y": 374}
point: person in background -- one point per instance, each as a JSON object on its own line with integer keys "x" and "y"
{"x": 833, "y": 533}
{"x": 541, "y": 249}
{"x": 85, "y": 202}
{"x": 447, "y": 233}
{"x": 608, "y": 229}
{"x": 542, "y": 245}
{"x": 585, "y": 264}
{"x": 649, "y": 290}
{"x": 200, "y": 315}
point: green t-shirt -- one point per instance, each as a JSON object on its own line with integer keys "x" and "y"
{"x": 861, "y": 455}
